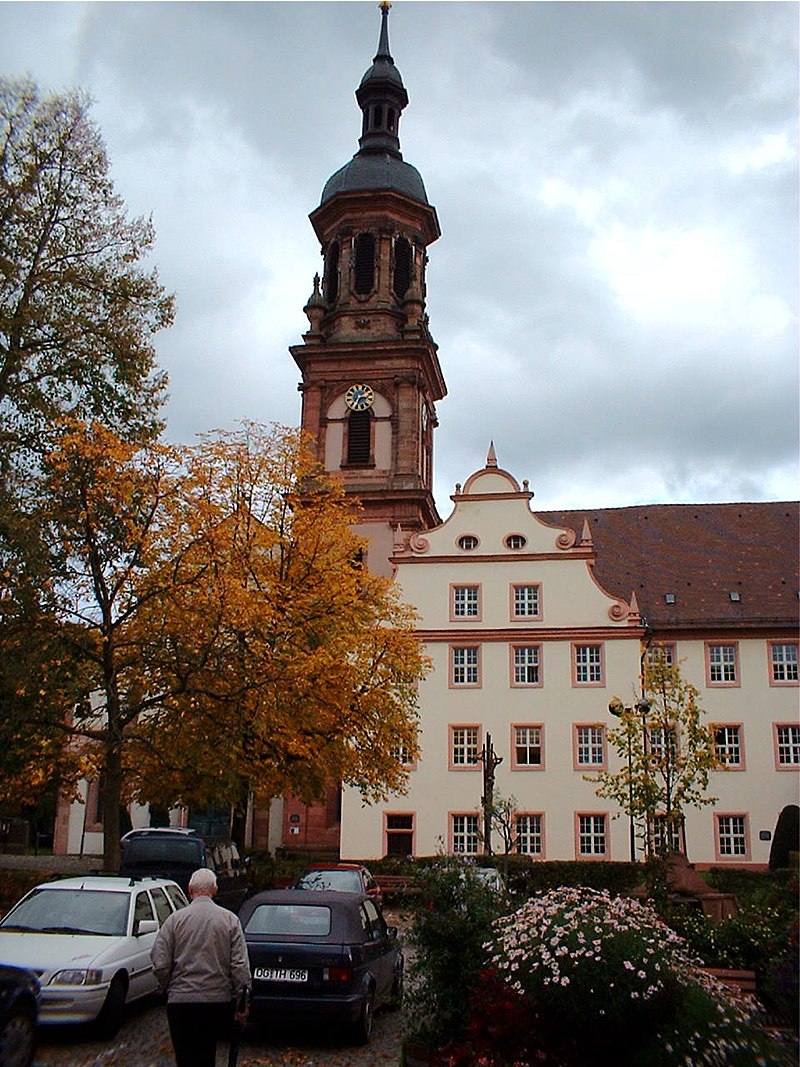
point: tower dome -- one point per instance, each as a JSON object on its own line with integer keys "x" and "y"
{"x": 378, "y": 164}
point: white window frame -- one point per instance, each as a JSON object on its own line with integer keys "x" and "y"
{"x": 588, "y": 664}
{"x": 464, "y": 833}
{"x": 526, "y": 666}
{"x": 529, "y": 833}
{"x": 528, "y": 736}
{"x": 591, "y": 829}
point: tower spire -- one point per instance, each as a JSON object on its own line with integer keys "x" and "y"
{"x": 381, "y": 97}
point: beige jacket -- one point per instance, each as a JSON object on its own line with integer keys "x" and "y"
{"x": 200, "y": 954}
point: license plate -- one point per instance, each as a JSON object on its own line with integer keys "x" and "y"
{"x": 280, "y": 974}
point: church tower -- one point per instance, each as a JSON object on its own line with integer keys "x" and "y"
{"x": 370, "y": 370}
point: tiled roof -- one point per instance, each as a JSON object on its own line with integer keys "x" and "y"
{"x": 701, "y": 553}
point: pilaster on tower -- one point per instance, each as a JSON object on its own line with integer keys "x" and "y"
{"x": 370, "y": 370}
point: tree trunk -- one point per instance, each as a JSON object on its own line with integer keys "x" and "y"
{"x": 111, "y": 805}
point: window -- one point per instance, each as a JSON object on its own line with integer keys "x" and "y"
{"x": 528, "y": 838}
{"x": 402, "y": 267}
{"x": 591, "y": 835}
{"x": 330, "y": 283}
{"x": 588, "y": 664}
{"x": 359, "y": 438}
{"x": 464, "y": 836}
{"x": 399, "y": 835}
{"x": 464, "y": 747}
{"x": 526, "y": 660}
{"x": 516, "y": 541}
{"x": 590, "y": 747}
{"x": 527, "y": 748}
{"x": 464, "y": 665}
{"x": 665, "y": 836}
{"x": 662, "y": 742}
{"x": 143, "y": 909}
{"x": 728, "y": 745}
{"x": 525, "y": 602}
{"x": 721, "y": 664}
{"x": 787, "y": 745}
{"x": 466, "y": 602}
{"x": 732, "y": 836}
{"x": 163, "y": 910}
{"x": 364, "y": 263}
{"x": 468, "y": 542}
{"x": 661, "y": 654}
{"x": 402, "y": 755}
{"x": 783, "y": 663}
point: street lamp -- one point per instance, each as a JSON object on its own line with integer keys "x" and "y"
{"x": 642, "y": 708}
{"x": 616, "y": 708}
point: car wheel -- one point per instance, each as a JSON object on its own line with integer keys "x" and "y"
{"x": 18, "y": 1038}
{"x": 363, "y": 1028}
{"x": 396, "y": 995}
{"x": 110, "y": 1018}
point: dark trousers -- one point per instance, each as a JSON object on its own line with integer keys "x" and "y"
{"x": 195, "y": 1028}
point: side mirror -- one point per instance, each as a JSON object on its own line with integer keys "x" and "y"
{"x": 145, "y": 926}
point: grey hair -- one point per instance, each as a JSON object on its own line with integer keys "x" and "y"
{"x": 203, "y": 882}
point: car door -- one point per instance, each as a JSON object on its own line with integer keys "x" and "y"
{"x": 380, "y": 949}
{"x": 140, "y": 967}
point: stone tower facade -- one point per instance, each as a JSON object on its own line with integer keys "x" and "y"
{"x": 370, "y": 371}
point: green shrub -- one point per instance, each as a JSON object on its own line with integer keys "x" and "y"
{"x": 452, "y": 919}
{"x": 607, "y": 981}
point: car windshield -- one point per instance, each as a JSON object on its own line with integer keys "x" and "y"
{"x": 76, "y": 911}
{"x": 343, "y": 881}
{"x": 301, "y": 920}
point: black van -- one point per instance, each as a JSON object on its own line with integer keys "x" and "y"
{"x": 172, "y": 852}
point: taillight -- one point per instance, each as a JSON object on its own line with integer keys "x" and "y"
{"x": 337, "y": 974}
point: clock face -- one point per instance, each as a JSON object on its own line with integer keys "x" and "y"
{"x": 359, "y": 397}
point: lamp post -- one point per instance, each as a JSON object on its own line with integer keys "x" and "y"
{"x": 641, "y": 707}
{"x": 491, "y": 762}
{"x": 616, "y": 708}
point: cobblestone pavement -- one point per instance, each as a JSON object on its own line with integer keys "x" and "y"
{"x": 144, "y": 1041}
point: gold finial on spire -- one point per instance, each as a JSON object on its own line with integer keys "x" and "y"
{"x": 384, "y": 5}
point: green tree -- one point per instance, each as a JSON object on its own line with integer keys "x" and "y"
{"x": 77, "y": 309}
{"x": 666, "y": 752}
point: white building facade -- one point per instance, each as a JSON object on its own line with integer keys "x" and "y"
{"x": 528, "y": 646}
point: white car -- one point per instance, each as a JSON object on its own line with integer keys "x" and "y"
{"x": 88, "y": 940}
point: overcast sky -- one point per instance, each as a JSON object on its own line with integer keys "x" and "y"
{"x": 614, "y": 294}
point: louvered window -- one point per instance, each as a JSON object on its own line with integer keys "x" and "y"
{"x": 331, "y": 283}
{"x": 364, "y": 270}
{"x": 402, "y": 267}
{"x": 359, "y": 438}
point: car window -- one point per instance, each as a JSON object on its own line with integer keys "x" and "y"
{"x": 81, "y": 910}
{"x": 143, "y": 909}
{"x": 163, "y": 910}
{"x": 176, "y": 895}
{"x": 342, "y": 881}
{"x": 296, "y": 919}
{"x": 157, "y": 851}
{"x": 376, "y": 923}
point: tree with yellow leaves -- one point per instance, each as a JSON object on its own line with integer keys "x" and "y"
{"x": 666, "y": 751}
{"x": 214, "y": 596}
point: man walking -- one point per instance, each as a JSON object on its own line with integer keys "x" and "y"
{"x": 200, "y": 959}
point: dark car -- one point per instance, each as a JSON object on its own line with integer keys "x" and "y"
{"x": 173, "y": 852}
{"x": 343, "y": 877}
{"x": 323, "y": 957}
{"x": 19, "y": 1009}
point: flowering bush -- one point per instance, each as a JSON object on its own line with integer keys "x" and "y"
{"x": 599, "y": 960}
{"x": 607, "y": 981}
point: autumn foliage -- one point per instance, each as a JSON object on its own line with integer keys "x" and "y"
{"x": 228, "y": 637}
